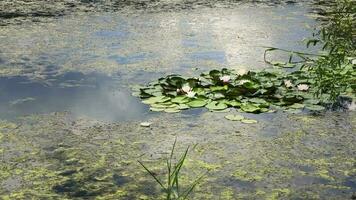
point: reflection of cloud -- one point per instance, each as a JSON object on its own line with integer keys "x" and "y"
{"x": 21, "y": 101}
{"x": 108, "y": 105}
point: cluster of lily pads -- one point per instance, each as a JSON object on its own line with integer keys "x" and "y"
{"x": 221, "y": 90}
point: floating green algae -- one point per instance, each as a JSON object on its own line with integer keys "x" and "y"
{"x": 61, "y": 157}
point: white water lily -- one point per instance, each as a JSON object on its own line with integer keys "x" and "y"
{"x": 288, "y": 83}
{"x": 191, "y": 94}
{"x": 145, "y": 124}
{"x": 225, "y": 78}
{"x": 243, "y": 81}
{"x": 186, "y": 88}
{"x": 242, "y": 72}
{"x": 303, "y": 87}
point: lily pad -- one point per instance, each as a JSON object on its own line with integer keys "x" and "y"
{"x": 296, "y": 106}
{"x": 214, "y": 105}
{"x": 171, "y": 110}
{"x": 180, "y": 99}
{"x": 250, "y": 108}
{"x": 157, "y": 109}
{"x": 153, "y": 100}
{"x": 235, "y": 117}
{"x": 197, "y": 103}
{"x": 315, "y": 107}
{"x": 249, "y": 121}
{"x": 183, "y": 106}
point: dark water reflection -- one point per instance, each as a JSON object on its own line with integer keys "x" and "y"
{"x": 94, "y": 95}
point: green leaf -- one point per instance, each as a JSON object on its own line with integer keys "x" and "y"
{"x": 182, "y": 106}
{"x": 214, "y": 105}
{"x": 235, "y": 117}
{"x": 218, "y": 88}
{"x": 156, "y": 109}
{"x": 153, "y": 100}
{"x": 315, "y": 107}
{"x": 180, "y": 99}
{"x": 233, "y": 103}
{"x": 197, "y": 103}
{"x": 249, "y": 121}
{"x": 250, "y": 108}
{"x": 297, "y": 106}
{"x": 171, "y": 110}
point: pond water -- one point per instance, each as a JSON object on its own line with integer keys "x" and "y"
{"x": 132, "y": 48}
{"x": 70, "y": 127}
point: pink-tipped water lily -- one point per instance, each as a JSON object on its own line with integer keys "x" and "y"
{"x": 303, "y": 87}
{"x": 191, "y": 94}
{"x": 186, "y": 88}
{"x": 242, "y": 72}
{"x": 288, "y": 83}
{"x": 225, "y": 78}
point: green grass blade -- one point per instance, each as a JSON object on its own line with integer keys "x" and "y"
{"x": 153, "y": 175}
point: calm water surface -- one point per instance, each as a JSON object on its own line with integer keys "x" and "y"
{"x": 84, "y": 63}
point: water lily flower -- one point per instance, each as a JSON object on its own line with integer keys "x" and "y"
{"x": 303, "y": 87}
{"x": 243, "y": 81}
{"x": 191, "y": 94}
{"x": 288, "y": 83}
{"x": 242, "y": 72}
{"x": 225, "y": 78}
{"x": 186, "y": 88}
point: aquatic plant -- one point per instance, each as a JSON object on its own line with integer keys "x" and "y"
{"x": 172, "y": 187}
{"x": 218, "y": 90}
{"x": 334, "y": 66}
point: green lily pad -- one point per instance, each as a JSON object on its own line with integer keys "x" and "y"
{"x": 218, "y": 88}
{"x": 250, "y": 108}
{"x": 157, "y": 109}
{"x": 315, "y": 107}
{"x": 235, "y": 117}
{"x": 221, "y": 111}
{"x": 233, "y": 103}
{"x": 180, "y": 99}
{"x": 171, "y": 110}
{"x": 297, "y": 106}
{"x": 214, "y": 105}
{"x": 293, "y": 111}
{"x": 197, "y": 103}
{"x": 249, "y": 121}
{"x": 183, "y": 107}
{"x": 153, "y": 100}
{"x": 158, "y": 106}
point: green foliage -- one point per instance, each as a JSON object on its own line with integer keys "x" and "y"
{"x": 334, "y": 68}
{"x": 252, "y": 92}
{"x": 172, "y": 186}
